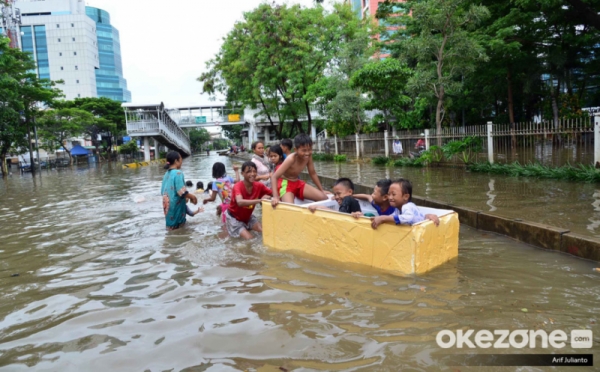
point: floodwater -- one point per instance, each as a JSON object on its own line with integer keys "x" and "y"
{"x": 570, "y": 205}
{"x": 102, "y": 286}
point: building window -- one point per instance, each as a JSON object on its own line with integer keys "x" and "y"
{"x": 73, "y": 39}
{"x": 72, "y": 24}
{"x": 78, "y": 95}
{"x": 57, "y": 26}
{"x": 59, "y": 40}
{"x": 74, "y": 53}
{"x": 60, "y": 54}
{"x": 77, "y": 81}
{"x": 76, "y": 68}
{"x": 61, "y": 68}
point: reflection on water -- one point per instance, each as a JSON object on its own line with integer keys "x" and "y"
{"x": 101, "y": 284}
{"x": 491, "y": 195}
{"x": 570, "y": 205}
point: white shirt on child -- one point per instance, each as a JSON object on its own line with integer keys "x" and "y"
{"x": 410, "y": 214}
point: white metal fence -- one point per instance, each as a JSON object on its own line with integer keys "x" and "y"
{"x": 570, "y": 141}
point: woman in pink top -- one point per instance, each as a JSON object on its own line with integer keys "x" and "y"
{"x": 262, "y": 166}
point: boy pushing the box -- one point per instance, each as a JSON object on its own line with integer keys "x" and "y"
{"x": 285, "y": 182}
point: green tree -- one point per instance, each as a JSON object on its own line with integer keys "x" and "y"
{"x": 233, "y": 132}
{"x": 220, "y": 144}
{"x": 110, "y": 112}
{"x": 345, "y": 110}
{"x": 14, "y": 65}
{"x": 21, "y": 94}
{"x": 270, "y": 60}
{"x": 198, "y": 137}
{"x": 439, "y": 37}
{"x": 130, "y": 147}
{"x": 58, "y": 126}
{"x": 385, "y": 82}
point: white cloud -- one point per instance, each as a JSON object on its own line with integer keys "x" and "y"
{"x": 166, "y": 44}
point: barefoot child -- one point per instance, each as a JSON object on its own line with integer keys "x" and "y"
{"x": 239, "y": 220}
{"x": 343, "y": 191}
{"x": 222, "y": 186}
{"x": 285, "y": 182}
{"x": 174, "y": 192}
{"x": 406, "y": 212}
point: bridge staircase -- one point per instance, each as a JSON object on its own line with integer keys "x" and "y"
{"x": 154, "y": 121}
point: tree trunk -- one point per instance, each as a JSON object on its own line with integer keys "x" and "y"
{"x": 31, "y": 163}
{"x": 511, "y": 110}
{"x": 3, "y": 165}
{"x": 438, "y": 116}
{"x": 70, "y": 157}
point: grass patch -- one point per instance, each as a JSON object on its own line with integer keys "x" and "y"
{"x": 583, "y": 173}
{"x": 408, "y": 162}
{"x": 340, "y": 158}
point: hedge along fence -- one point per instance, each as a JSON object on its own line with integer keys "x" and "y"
{"x": 464, "y": 150}
{"x": 547, "y": 143}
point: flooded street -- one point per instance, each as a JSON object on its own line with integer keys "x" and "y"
{"x": 571, "y": 205}
{"x": 102, "y": 286}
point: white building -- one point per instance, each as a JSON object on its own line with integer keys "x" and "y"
{"x": 63, "y": 42}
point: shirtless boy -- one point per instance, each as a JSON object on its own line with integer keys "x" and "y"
{"x": 285, "y": 182}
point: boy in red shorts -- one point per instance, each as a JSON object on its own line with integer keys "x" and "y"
{"x": 285, "y": 182}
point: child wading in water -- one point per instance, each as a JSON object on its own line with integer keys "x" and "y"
{"x": 174, "y": 192}
{"x": 222, "y": 186}
{"x": 285, "y": 182}
{"x": 239, "y": 220}
{"x": 276, "y": 156}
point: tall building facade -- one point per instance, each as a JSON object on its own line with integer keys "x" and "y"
{"x": 109, "y": 77}
{"x": 365, "y": 9}
{"x": 67, "y": 44}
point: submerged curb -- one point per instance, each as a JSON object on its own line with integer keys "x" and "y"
{"x": 528, "y": 232}
{"x": 144, "y": 163}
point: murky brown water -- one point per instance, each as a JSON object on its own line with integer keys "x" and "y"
{"x": 571, "y": 205}
{"x": 103, "y": 287}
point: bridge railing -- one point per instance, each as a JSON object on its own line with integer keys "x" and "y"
{"x": 191, "y": 120}
{"x": 147, "y": 125}
{"x": 153, "y": 121}
{"x": 171, "y": 130}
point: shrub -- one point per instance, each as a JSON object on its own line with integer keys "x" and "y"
{"x": 340, "y": 158}
{"x": 162, "y": 155}
{"x": 323, "y": 157}
{"x": 464, "y": 149}
{"x": 408, "y": 162}
{"x": 380, "y": 160}
{"x": 432, "y": 156}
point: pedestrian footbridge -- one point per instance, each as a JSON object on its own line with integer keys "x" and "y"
{"x": 155, "y": 121}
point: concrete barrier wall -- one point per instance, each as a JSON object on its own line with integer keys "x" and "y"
{"x": 532, "y": 233}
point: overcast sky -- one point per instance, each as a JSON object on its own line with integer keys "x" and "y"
{"x": 166, "y": 44}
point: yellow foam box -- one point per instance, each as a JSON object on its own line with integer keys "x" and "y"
{"x": 400, "y": 249}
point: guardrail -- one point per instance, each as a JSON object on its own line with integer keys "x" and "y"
{"x": 156, "y": 122}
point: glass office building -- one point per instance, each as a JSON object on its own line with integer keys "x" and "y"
{"x": 110, "y": 82}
